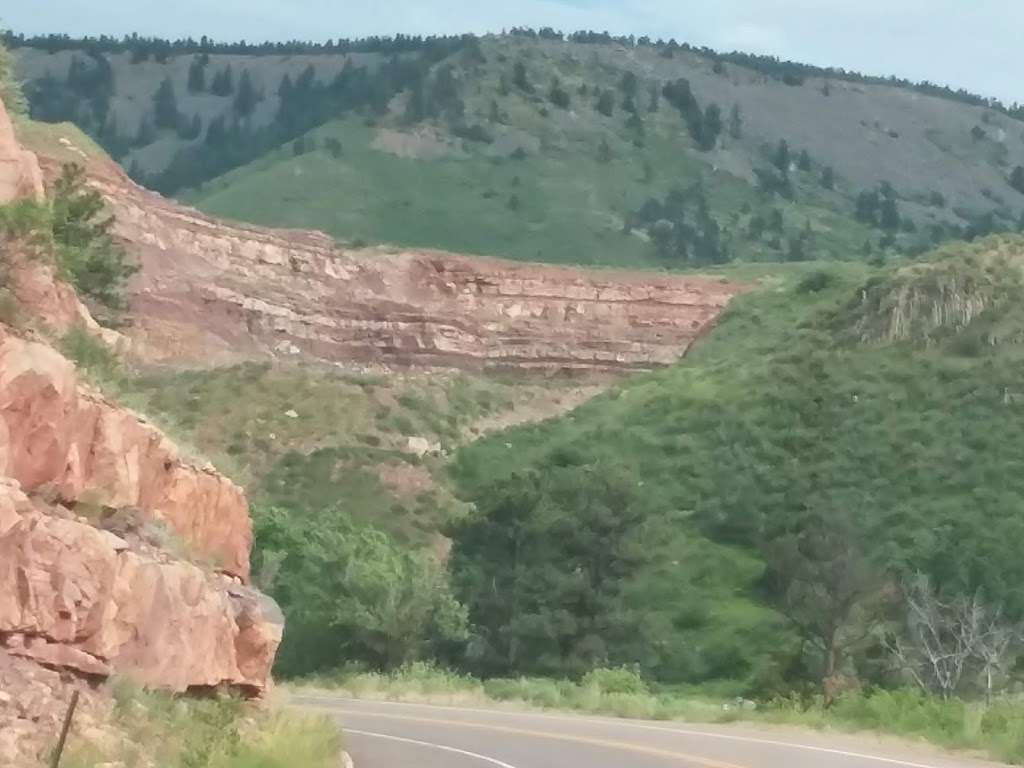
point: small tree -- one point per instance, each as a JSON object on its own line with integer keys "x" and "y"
{"x": 827, "y": 588}
{"x": 520, "y": 78}
{"x": 828, "y": 177}
{"x": 246, "y": 98}
{"x": 604, "y": 152}
{"x": 558, "y": 95}
{"x": 82, "y": 232}
{"x": 197, "y": 76}
{"x": 1017, "y": 179}
{"x": 804, "y": 161}
{"x": 606, "y": 103}
{"x": 735, "y": 122}
{"x": 782, "y": 156}
{"x": 165, "y": 104}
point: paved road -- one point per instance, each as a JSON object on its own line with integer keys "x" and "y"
{"x": 391, "y": 735}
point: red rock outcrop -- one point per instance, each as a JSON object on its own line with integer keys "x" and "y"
{"x": 20, "y": 176}
{"x": 212, "y": 291}
{"x": 58, "y": 435}
{"x": 76, "y": 597}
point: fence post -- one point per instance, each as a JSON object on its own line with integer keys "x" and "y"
{"x": 59, "y": 751}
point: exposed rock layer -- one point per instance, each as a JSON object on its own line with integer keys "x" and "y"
{"x": 20, "y": 176}
{"x": 213, "y": 291}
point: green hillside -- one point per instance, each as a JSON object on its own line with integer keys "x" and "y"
{"x": 785, "y": 439}
{"x": 586, "y": 149}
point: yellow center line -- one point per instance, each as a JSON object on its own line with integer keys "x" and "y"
{"x": 704, "y": 762}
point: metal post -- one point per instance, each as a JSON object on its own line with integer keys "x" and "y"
{"x": 59, "y": 751}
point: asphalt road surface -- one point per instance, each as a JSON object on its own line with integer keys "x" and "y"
{"x": 392, "y": 735}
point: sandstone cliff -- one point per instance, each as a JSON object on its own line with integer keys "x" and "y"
{"x": 62, "y": 437}
{"x": 212, "y": 291}
{"x": 20, "y": 176}
{"x": 117, "y": 555}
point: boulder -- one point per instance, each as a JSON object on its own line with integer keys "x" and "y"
{"x": 60, "y": 436}
{"x": 78, "y": 598}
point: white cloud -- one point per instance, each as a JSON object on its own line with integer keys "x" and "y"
{"x": 974, "y": 45}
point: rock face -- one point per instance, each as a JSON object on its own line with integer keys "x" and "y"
{"x": 213, "y": 291}
{"x": 20, "y": 176}
{"x": 59, "y": 436}
{"x": 76, "y": 597}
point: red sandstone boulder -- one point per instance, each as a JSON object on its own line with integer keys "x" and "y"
{"x": 58, "y": 435}
{"x": 79, "y": 598}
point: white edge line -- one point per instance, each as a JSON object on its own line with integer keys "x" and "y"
{"x": 626, "y": 723}
{"x": 429, "y": 745}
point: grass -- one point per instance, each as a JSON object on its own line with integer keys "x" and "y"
{"x": 571, "y": 206}
{"x": 557, "y": 200}
{"x": 306, "y": 437}
{"x": 157, "y": 729}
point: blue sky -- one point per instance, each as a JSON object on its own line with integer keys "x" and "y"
{"x": 974, "y": 44}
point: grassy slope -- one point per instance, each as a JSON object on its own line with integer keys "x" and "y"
{"x": 454, "y": 194}
{"x": 307, "y": 438}
{"x": 776, "y": 413}
{"x": 572, "y": 205}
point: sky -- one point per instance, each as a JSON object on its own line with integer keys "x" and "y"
{"x": 974, "y": 44}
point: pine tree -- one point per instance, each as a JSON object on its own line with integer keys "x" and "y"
{"x": 655, "y": 98}
{"x": 606, "y": 103}
{"x": 196, "y": 76}
{"x": 165, "y": 105}
{"x": 804, "y": 161}
{"x": 246, "y": 98}
{"x": 1017, "y": 179}
{"x": 782, "y": 156}
{"x": 735, "y": 122}
{"x": 558, "y": 95}
{"x": 223, "y": 82}
{"x": 828, "y": 177}
{"x": 711, "y": 127}
{"x": 520, "y": 78}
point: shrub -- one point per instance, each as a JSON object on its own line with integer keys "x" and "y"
{"x": 617, "y": 680}
{"x": 816, "y": 281}
{"x": 86, "y": 251}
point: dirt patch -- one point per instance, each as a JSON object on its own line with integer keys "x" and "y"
{"x": 424, "y": 143}
{"x": 544, "y": 406}
{"x": 406, "y": 480}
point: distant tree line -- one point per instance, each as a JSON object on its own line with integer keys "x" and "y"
{"x": 160, "y": 49}
{"x": 789, "y": 72}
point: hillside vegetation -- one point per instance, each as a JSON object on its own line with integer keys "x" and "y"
{"x": 584, "y": 150}
{"x": 810, "y": 455}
